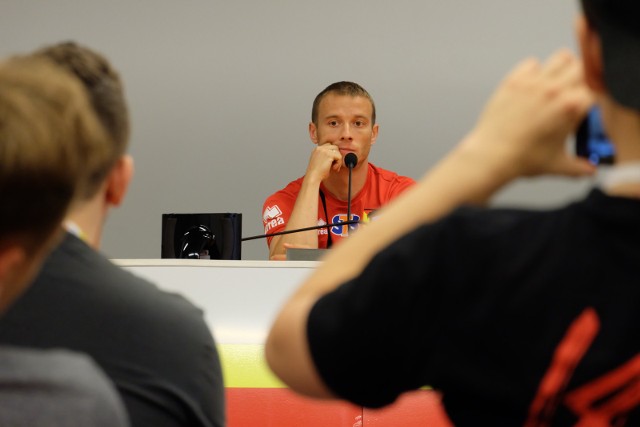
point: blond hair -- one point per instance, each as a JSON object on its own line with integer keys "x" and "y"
{"x": 343, "y": 89}
{"x": 106, "y": 94}
{"x": 49, "y": 140}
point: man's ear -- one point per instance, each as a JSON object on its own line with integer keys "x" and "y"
{"x": 313, "y": 133}
{"x": 11, "y": 256}
{"x": 14, "y": 275}
{"x": 119, "y": 179}
{"x": 591, "y": 50}
{"x": 374, "y": 133}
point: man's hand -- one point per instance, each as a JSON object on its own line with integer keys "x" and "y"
{"x": 283, "y": 257}
{"x": 324, "y": 158}
{"x": 525, "y": 124}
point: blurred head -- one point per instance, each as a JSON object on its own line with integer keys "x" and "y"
{"x": 47, "y": 127}
{"x": 616, "y": 24}
{"x": 106, "y": 94}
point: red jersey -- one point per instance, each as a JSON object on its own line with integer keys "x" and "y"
{"x": 381, "y": 187}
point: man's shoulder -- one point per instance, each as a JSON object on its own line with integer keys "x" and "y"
{"x": 387, "y": 175}
{"x": 288, "y": 193}
{"x": 57, "y": 383}
{"x": 49, "y": 366}
{"x": 292, "y": 187}
{"x": 86, "y": 274}
{"x": 77, "y": 261}
{"x": 510, "y": 225}
{"x": 39, "y": 362}
{"x": 387, "y": 184}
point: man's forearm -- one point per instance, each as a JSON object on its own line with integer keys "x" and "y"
{"x": 304, "y": 214}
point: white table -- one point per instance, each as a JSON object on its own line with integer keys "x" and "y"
{"x": 240, "y": 298}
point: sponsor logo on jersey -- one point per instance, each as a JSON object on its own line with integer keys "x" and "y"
{"x": 324, "y": 230}
{"x": 369, "y": 215}
{"x": 272, "y": 217}
{"x": 271, "y": 212}
{"x": 341, "y": 230}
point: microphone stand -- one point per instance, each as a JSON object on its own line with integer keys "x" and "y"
{"x": 349, "y": 200}
{"x": 350, "y": 161}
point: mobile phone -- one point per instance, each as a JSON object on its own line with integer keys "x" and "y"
{"x": 591, "y": 140}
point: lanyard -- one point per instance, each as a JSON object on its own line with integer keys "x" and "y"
{"x": 326, "y": 217}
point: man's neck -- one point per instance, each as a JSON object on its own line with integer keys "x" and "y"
{"x": 338, "y": 183}
{"x": 623, "y": 127}
{"x": 89, "y": 217}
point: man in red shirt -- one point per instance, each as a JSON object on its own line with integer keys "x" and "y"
{"x": 343, "y": 121}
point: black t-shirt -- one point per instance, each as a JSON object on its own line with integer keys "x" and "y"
{"x": 485, "y": 305}
{"x": 155, "y": 346}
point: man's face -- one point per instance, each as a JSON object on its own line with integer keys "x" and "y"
{"x": 345, "y": 121}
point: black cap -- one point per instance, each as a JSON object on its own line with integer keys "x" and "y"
{"x": 616, "y": 21}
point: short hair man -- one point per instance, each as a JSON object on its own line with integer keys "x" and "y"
{"x": 45, "y": 123}
{"x": 155, "y": 346}
{"x": 517, "y": 317}
{"x": 343, "y": 120}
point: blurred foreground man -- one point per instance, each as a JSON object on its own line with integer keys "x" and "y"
{"x": 46, "y": 124}
{"x": 155, "y": 346}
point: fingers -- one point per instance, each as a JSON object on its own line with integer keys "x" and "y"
{"x": 333, "y": 153}
{"x": 336, "y": 157}
{"x": 573, "y": 167}
{"x": 324, "y": 158}
{"x": 561, "y": 64}
{"x": 524, "y": 68}
{"x": 564, "y": 75}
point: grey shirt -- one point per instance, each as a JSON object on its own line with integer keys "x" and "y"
{"x": 55, "y": 388}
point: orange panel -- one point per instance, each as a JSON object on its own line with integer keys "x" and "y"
{"x": 280, "y": 407}
{"x": 415, "y": 409}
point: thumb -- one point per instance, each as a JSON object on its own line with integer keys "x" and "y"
{"x": 575, "y": 167}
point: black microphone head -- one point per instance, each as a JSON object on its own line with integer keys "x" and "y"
{"x": 350, "y": 160}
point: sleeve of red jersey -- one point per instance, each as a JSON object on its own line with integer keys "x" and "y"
{"x": 276, "y": 212}
{"x": 400, "y": 184}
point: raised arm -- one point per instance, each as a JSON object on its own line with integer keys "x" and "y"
{"x": 324, "y": 158}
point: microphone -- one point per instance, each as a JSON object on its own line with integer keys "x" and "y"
{"x": 350, "y": 161}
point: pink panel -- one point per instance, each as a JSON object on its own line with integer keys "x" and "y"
{"x": 280, "y": 407}
{"x": 415, "y": 409}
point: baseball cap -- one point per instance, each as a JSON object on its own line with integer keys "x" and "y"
{"x": 616, "y": 21}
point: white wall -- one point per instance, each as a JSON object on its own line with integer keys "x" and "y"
{"x": 221, "y": 91}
